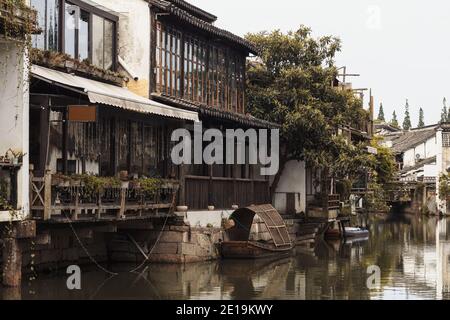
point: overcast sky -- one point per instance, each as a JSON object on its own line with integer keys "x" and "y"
{"x": 401, "y": 48}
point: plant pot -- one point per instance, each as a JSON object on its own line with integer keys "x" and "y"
{"x": 182, "y": 208}
{"x": 234, "y": 207}
{"x": 211, "y": 208}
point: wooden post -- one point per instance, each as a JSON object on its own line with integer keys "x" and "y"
{"x": 182, "y": 201}
{"x": 99, "y": 203}
{"x": 121, "y": 211}
{"x": 47, "y": 195}
{"x": 77, "y": 202}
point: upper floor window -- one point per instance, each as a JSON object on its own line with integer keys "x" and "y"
{"x": 87, "y": 33}
{"x": 198, "y": 71}
{"x": 48, "y": 22}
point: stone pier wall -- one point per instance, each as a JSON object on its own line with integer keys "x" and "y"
{"x": 63, "y": 250}
{"x": 176, "y": 244}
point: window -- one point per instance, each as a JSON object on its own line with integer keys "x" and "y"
{"x": 168, "y": 59}
{"x": 102, "y": 42}
{"x": 89, "y": 39}
{"x": 48, "y": 21}
{"x": 89, "y": 33}
{"x": 197, "y": 71}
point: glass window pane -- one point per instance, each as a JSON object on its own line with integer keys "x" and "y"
{"x": 52, "y": 24}
{"x": 69, "y": 29}
{"x": 109, "y": 44}
{"x": 83, "y": 36}
{"x": 97, "y": 41}
{"x": 38, "y": 40}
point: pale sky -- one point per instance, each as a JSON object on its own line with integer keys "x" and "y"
{"x": 401, "y": 48}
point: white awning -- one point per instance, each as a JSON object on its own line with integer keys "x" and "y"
{"x": 107, "y": 94}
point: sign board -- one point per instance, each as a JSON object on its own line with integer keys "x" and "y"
{"x": 372, "y": 150}
{"x": 82, "y": 113}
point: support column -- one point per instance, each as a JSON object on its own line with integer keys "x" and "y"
{"x": 12, "y": 263}
{"x": 12, "y": 251}
{"x": 440, "y": 202}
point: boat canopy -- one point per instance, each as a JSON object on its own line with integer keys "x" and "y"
{"x": 243, "y": 220}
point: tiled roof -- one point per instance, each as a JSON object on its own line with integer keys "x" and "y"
{"x": 411, "y": 139}
{"x": 198, "y": 23}
{"x": 211, "y": 112}
{"x": 196, "y": 11}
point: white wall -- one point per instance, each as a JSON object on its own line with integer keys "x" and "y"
{"x": 134, "y": 37}
{"x": 14, "y": 113}
{"x": 293, "y": 180}
{"x": 426, "y": 150}
{"x": 203, "y": 219}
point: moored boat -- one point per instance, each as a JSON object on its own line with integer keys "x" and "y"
{"x": 356, "y": 232}
{"x": 252, "y": 250}
{"x": 256, "y": 232}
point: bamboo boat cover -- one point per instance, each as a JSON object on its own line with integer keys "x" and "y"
{"x": 269, "y": 215}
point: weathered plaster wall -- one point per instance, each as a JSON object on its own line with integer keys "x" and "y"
{"x": 207, "y": 218}
{"x": 424, "y": 150}
{"x": 134, "y": 39}
{"x": 14, "y": 113}
{"x": 293, "y": 180}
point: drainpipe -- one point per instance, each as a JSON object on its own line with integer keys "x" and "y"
{"x": 441, "y": 203}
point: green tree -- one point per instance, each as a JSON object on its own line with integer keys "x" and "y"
{"x": 381, "y": 114}
{"x": 421, "y": 119}
{"x": 291, "y": 86}
{"x": 394, "y": 121}
{"x": 407, "y": 120}
{"x": 444, "y": 113}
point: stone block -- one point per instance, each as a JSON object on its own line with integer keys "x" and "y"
{"x": 165, "y": 248}
{"x": 174, "y": 236}
{"x": 187, "y": 248}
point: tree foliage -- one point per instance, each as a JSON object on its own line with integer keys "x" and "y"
{"x": 444, "y": 113}
{"x": 292, "y": 86}
{"x": 407, "y": 120}
{"x": 421, "y": 123}
{"x": 394, "y": 121}
{"x": 381, "y": 114}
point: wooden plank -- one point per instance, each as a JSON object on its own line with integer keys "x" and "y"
{"x": 48, "y": 196}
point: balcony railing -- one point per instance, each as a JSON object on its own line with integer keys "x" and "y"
{"x": 54, "y": 199}
{"x": 223, "y": 193}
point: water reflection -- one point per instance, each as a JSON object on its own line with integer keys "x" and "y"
{"x": 413, "y": 254}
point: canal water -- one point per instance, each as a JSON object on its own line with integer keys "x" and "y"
{"x": 412, "y": 253}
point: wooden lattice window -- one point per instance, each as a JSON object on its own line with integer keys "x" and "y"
{"x": 446, "y": 139}
{"x": 168, "y": 61}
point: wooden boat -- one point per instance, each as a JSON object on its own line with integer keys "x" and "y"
{"x": 239, "y": 244}
{"x": 356, "y": 232}
{"x": 333, "y": 234}
{"x": 252, "y": 250}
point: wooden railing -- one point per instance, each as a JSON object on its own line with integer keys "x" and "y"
{"x": 223, "y": 193}
{"x": 334, "y": 202}
{"x": 51, "y": 199}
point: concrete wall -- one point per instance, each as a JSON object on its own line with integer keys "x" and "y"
{"x": 134, "y": 40}
{"x": 293, "y": 180}
{"x": 203, "y": 219}
{"x": 14, "y": 113}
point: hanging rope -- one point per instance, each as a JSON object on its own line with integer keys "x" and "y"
{"x": 87, "y": 252}
{"x": 153, "y": 248}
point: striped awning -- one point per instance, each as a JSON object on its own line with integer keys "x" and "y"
{"x": 107, "y": 94}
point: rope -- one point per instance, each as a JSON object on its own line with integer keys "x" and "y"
{"x": 153, "y": 248}
{"x": 87, "y": 252}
